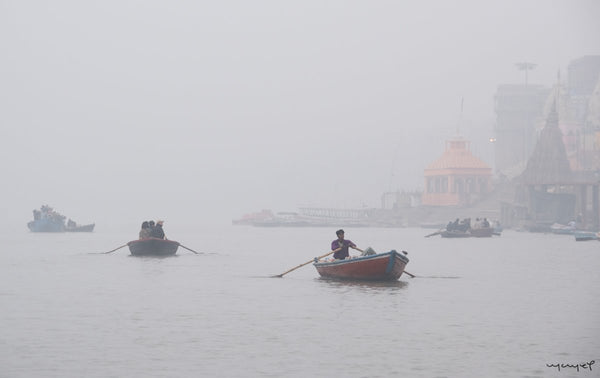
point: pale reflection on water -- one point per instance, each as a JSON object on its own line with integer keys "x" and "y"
{"x": 499, "y": 307}
{"x": 365, "y": 286}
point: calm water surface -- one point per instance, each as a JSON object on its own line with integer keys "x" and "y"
{"x": 500, "y": 307}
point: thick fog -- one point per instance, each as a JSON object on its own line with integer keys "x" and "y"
{"x": 118, "y": 111}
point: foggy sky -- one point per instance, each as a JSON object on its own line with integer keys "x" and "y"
{"x": 133, "y": 110}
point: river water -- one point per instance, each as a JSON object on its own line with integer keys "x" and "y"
{"x": 505, "y": 306}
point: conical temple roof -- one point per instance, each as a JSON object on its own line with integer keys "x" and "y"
{"x": 548, "y": 164}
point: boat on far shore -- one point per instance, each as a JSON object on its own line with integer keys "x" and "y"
{"x": 81, "y": 228}
{"x": 586, "y": 235}
{"x": 562, "y": 229}
{"x": 48, "y": 220}
{"x": 309, "y": 217}
{"x": 484, "y": 232}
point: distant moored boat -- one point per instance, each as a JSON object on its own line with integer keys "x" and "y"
{"x": 586, "y": 235}
{"x": 48, "y": 220}
{"x": 82, "y": 228}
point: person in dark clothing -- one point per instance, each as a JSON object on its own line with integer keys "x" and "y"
{"x": 145, "y": 230}
{"x": 464, "y": 225}
{"x": 343, "y": 245}
{"x": 151, "y": 226}
{"x": 157, "y": 231}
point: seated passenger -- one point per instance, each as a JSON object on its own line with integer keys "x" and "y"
{"x": 145, "y": 231}
{"x": 157, "y": 231}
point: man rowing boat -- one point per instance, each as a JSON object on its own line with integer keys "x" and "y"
{"x": 342, "y": 246}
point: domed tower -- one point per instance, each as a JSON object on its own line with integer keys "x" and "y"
{"x": 457, "y": 177}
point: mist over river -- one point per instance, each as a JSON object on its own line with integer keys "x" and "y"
{"x": 508, "y": 306}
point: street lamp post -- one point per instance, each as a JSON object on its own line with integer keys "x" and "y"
{"x": 525, "y": 66}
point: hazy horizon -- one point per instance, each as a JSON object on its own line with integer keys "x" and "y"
{"x": 208, "y": 110}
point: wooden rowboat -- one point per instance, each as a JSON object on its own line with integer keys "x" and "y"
{"x": 455, "y": 234}
{"x": 387, "y": 266}
{"x": 485, "y": 232}
{"x": 471, "y": 233}
{"x": 153, "y": 247}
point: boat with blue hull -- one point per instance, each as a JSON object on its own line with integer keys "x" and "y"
{"x": 48, "y": 220}
{"x": 586, "y": 235}
{"x": 46, "y": 225}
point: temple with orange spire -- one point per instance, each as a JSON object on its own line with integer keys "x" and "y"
{"x": 457, "y": 178}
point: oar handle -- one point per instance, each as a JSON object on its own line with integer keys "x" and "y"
{"x": 124, "y": 245}
{"x": 189, "y": 249}
{"x": 299, "y": 266}
{"x": 308, "y": 262}
{"x": 325, "y": 255}
{"x": 412, "y": 275}
{"x": 436, "y": 233}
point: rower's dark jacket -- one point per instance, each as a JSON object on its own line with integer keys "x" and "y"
{"x": 157, "y": 232}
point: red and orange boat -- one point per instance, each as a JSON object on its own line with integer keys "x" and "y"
{"x": 387, "y": 266}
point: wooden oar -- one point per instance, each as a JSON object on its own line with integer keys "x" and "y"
{"x": 112, "y": 250}
{"x": 411, "y": 275}
{"x": 308, "y": 262}
{"x": 189, "y": 249}
{"x": 435, "y": 233}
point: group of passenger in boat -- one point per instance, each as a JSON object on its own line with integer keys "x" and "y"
{"x": 481, "y": 223}
{"x": 459, "y": 225}
{"x": 152, "y": 230}
{"x": 465, "y": 224}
